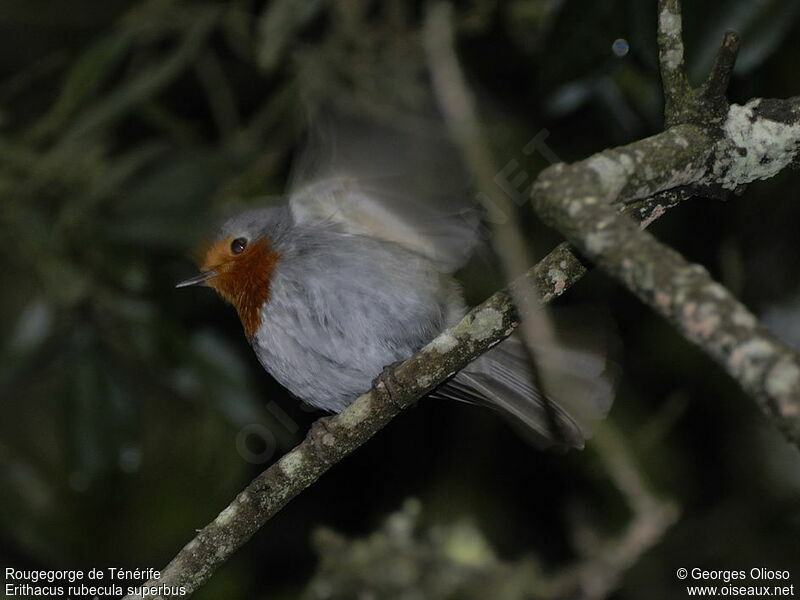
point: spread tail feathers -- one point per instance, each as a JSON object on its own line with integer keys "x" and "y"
{"x": 580, "y": 380}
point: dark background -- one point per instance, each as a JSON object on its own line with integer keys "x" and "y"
{"x": 125, "y": 127}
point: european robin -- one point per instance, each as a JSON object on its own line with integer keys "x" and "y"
{"x": 345, "y": 279}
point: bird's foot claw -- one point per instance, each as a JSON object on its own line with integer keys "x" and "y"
{"x": 321, "y": 436}
{"x": 387, "y": 383}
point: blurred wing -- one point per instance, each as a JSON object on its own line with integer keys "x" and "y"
{"x": 395, "y": 186}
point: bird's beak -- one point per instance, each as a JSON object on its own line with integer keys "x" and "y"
{"x": 204, "y": 276}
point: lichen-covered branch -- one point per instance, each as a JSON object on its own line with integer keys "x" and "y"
{"x": 683, "y": 103}
{"x": 575, "y": 199}
{"x": 670, "y": 56}
{"x": 739, "y": 146}
{"x": 716, "y": 85}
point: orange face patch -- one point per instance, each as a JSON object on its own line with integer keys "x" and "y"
{"x": 242, "y": 279}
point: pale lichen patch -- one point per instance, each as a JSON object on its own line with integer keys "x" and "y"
{"x": 357, "y": 412}
{"x": 746, "y": 358}
{"x": 613, "y": 174}
{"x": 702, "y": 320}
{"x": 574, "y": 208}
{"x": 673, "y": 57}
{"x": 598, "y": 243}
{"x": 663, "y": 302}
{"x": 559, "y": 280}
{"x": 716, "y": 290}
{"x": 486, "y": 323}
{"x": 227, "y": 515}
{"x": 742, "y": 318}
{"x": 782, "y": 382}
{"x": 757, "y": 348}
{"x": 425, "y": 380}
{"x": 754, "y": 147}
{"x": 444, "y": 343}
{"x": 291, "y": 463}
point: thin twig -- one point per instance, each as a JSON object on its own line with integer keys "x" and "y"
{"x": 461, "y": 115}
{"x": 670, "y": 54}
{"x": 708, "y": 105}
{"x": 716, "y": 85}
{"x": 594, "y": 577}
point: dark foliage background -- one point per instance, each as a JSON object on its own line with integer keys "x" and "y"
{"x": 125, "y": 127}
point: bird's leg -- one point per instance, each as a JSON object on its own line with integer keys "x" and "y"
{"x": 386, "y": 383}
{"x": 321, "y": 436}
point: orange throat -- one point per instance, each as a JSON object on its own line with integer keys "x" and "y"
{"x": 243, "y": 280}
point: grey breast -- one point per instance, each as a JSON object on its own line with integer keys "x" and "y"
{"x": 344, "y": 306}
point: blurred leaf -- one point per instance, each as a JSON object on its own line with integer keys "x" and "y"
{"x": 277, "y": 25}
{"x": 762, "y": 24}
{"x": 143, "y": 216}
{"x": 147, "y": 83}
{"x": 33, "y": 326}
{"x": 84, "y": 80}
{"x": 236, "y": 26}
{"x": 219, "y": 375}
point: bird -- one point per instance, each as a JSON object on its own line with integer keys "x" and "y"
{"x": 349, "y": 274}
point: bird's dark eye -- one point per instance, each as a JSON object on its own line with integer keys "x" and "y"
{"x": 238, "y": 245}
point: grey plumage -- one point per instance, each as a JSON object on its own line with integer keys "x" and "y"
{"x": 364, "y": 279}
{"x": 342, "y": 306}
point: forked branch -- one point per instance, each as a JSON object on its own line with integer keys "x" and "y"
{"x": 709, "y": 146}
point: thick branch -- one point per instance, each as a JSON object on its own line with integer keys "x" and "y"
{"x": 579, "y": 201}
{"x": 713, "y": 145}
